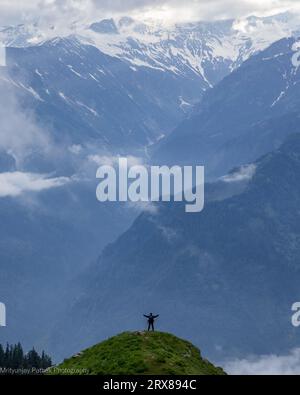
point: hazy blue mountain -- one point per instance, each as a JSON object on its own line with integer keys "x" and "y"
{"x": 88, "y": 97}
{"x": 88, "y": 103}
{"x": 225, "y": 278}
{"x": 46, "y": 240}
{"x": 48, "y": 232}
{"x": 246, "y": 115}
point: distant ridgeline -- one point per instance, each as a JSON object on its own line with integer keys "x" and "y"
{"x": 14, "y": 360}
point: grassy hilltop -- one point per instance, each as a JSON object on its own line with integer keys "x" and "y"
{"x": 135, "y": 353}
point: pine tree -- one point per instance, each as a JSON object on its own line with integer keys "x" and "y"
{"x": 2, "y": 356}
{"x": 46, "y": 361}
{"x": 33, "y": 359}
{"x": 17, "y": 356}
{"x": 7, "y": 356}
{"x": 14, "y": 358}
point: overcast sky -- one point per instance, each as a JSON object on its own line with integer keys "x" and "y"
{"x": 17, "y": 11}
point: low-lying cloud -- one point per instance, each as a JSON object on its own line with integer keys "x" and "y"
{"x": 266, "y": 365}
{"x": 14, "y": 184}
{"x": 20, "y": 134}
{"x": 245, "y": 172}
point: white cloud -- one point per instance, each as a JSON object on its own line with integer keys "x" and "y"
{"x": 266, "y": 365}
{"x": 13, "y": 184}
{"x": 53, "y": 11}
{"x": 75, "y": 149}
{"x": 20, "y": 134}
{"x": 245, "y": 172}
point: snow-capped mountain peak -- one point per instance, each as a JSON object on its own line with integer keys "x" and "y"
{"x": 210, "y": 50}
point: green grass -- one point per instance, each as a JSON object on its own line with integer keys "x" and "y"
{"x": 135, "y": 353}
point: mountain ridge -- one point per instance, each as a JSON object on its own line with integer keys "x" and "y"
{"x": 210, "y": 50}
{"x": 250, "y": 112}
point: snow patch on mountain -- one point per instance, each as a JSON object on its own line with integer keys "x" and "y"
{"x": 207, "y": 49}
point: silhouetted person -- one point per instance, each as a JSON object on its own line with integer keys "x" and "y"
{"x": 151, "y": 319}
